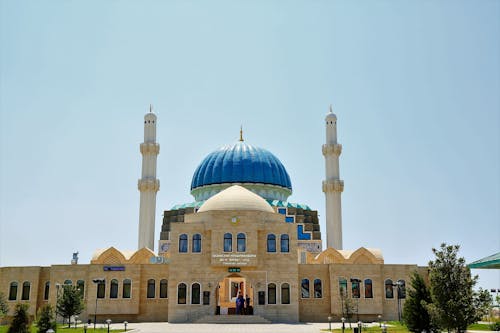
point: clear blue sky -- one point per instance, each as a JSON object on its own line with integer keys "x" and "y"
{"x": 415, "y": 86}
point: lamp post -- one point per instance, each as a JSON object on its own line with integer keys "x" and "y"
{"x": 360, "y": 325}
{"x": 398, "y": 285}
{"x": 343, "y": 324}
{"x": 330, "y": 323}
{"x": 379, "y": 322}
{"x": 97, "y": 282}
{"x": 108, "y": 321}
{"x": 125, "y": 323}
{"x": 384, "y": 328}
{"x": 85, "y": 326}
{"x": 76, "y": 319}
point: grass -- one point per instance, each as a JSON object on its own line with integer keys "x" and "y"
{"x": 392, "y": 327}
{"x": 65, "y": 329}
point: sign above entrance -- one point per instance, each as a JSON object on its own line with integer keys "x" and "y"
{"x": 234, "y": 259}
{"x": 234, "y": 269}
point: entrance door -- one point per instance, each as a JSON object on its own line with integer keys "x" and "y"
{"x": 228, "y": 291}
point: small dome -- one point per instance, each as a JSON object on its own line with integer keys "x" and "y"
{"x": 236, "y": 198}
{"x": 330, "y": 115}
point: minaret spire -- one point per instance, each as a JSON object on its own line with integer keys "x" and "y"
{"x": 241, "y": 133}
{"x": 332, "y": 185}
{"x": 148, "y": 184}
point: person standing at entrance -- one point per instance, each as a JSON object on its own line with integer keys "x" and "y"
{"x": 247, "y": 305}
{"x": 239, "y": 304}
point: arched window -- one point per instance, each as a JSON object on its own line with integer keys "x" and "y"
{"x": 195, "y": 293}
{"x": 355, "y": 288}
{"x": 228, "y": 242}
{"x": 304, "y": 288}
{"x": 285, "y": 242}
{"x": 127, "y": 288}
{"x": 80, "y": 284}
{"x": 68, "y": 282}
{"x": 271, "y": 243}
{"x": 101, "y": 289}
{"x": 113, "y": 290}
{"x": 26, "y": 291}
{"x": 163, "y": 288}
{"x": 318, "y": 289}
{"x": 388, "y": 289}
{"x": 196, "y": 243}
{"x": 13, "y": 291}
{"x": 183, "y": 243}
{"x": 241, "y": 242}
{"x": 151, "y": 288}
{"x": 343, "y": 287}
{"x": 401, "y": 289}
{"x": 285, "y": 293}
{"x": 271, "y": 293}
{"x": 46, "y": 291}
{"x": 368, "y": 288}
{"x": 181, "y": 293}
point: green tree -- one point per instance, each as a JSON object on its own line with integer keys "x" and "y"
{"x": 4, "y": 308}
{"x": 20, "y": 323}
{"x": 347, "y": 305}
{"x": 46, "y": 319}
{"x": 415, "y": 313}
{"x": 70, "y": 302}
{"x": 454, "y": 304}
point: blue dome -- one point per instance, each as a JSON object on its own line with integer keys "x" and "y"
{"x": 241, "y": 163}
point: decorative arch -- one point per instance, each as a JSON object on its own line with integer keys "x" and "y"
{"x": 364, "y": 256}
{"x": 330, "y": 256}
{"x": 109, "y": 256}
{"x": 141, "y": 256}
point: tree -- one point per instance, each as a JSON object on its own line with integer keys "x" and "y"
{"x": 70, "y": 302}
{"x": 454, "y": 304}
{"x": 348, "y": 306}
{"x": 4, "y": 308}
{"x": 415, "y": 313}
{"x": 46, "y": 319}
{"x": 20, "y": 323}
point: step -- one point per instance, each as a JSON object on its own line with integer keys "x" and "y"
{"x": 232, "y": 319}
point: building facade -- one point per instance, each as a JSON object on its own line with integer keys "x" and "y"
{"x": 239, "y": 237}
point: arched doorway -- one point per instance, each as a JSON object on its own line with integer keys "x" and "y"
{"x": 227, "y": 292}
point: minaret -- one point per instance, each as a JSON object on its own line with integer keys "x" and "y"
{"x": 148, "y": 185}
{"x": 332, "y": 186}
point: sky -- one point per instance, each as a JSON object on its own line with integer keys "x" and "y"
{"x": 414, "y": 84}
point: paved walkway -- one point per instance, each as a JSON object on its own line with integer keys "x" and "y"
{"x": 225, "y": 328}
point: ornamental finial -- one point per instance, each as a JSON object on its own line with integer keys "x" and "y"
{"x": 150, "y": 108}
{"x": 331, "y": 110}
{"x": 241, "y": 133}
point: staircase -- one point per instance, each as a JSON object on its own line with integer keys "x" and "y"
{"x": 232, "y": 319}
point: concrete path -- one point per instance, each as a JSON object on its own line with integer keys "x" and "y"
{"x": 225, "y": 328}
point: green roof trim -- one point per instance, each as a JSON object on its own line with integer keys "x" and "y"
{"x": 490, "y": 262}
{"x": 274, "y": 203}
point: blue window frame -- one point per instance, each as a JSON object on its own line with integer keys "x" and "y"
{"x": 285, "y": 243}
{"x": 271, "y": 243}
{"x": 183, "y": 243}
{"x": 196, "y": 243}
{"x": 228, "y": 242}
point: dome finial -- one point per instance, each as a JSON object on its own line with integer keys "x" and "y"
{"x": 150, "y": 108}
{"x": 331, "y": 109}
{"x": 241, "y": 133}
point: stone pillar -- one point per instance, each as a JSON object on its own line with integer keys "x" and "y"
{"x": 332, "y": 186}
{"x": 148, "y": 185}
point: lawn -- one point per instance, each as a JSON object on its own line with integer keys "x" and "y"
{"x": 392, "y": 327}
{"x": 65, "y": 329}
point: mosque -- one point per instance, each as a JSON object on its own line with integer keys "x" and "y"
{"x": 240, "y": 235}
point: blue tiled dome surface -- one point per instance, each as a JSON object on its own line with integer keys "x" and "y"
{"x": 241, "y": 163}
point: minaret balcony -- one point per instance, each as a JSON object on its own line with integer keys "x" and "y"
{"x": 148, "y": 185}
{"x": 335, "y": 185}
{"x": 150, "y": 148}
{"x": 332, "y": 149}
